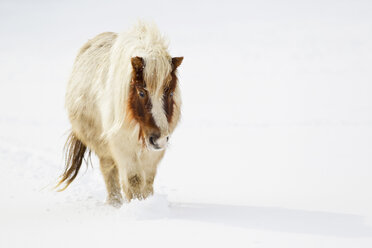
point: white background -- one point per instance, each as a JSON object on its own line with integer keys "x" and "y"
{"x": 274, "y": 147}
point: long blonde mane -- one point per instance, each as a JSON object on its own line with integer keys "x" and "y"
{"x": 143, "y": 40}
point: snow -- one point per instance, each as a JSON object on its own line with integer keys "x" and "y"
{"x": 274, "y": 148}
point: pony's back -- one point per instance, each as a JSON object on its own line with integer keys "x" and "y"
{"x": 89, "y": 73}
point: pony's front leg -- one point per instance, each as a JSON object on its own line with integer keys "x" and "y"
{"x": 150, "y": 176}
{"x": 111, "y": 176}
{"x": 150, "y": 167}
{"x": 132, "y": 179}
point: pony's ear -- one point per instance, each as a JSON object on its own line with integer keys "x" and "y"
{"x": 137, "y": 63}
{"x": 176, "y": 61}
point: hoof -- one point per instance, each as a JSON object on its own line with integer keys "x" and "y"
{"x": 115, "y": 201}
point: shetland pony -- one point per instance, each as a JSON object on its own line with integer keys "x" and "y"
{"x": 123, "y": 102}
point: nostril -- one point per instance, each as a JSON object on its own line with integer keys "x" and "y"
{"x": 152, "y": 141}
{"x": 167, "y": 138}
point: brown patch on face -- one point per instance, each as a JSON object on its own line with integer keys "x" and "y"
{"x": 140, "y": 102}
{"x": 169, "y": 90}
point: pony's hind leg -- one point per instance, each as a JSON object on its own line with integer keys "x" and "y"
{"x": 111, "y": 176}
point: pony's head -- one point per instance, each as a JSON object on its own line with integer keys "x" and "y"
{"x": 154, "y": 100}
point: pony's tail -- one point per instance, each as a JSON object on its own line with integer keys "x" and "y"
{"x": 74, "y": 155}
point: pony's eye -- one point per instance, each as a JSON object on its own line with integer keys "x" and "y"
{"x": 142, "y": 94}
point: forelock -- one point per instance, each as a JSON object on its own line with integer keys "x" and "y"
{"x": 157, "y": 73}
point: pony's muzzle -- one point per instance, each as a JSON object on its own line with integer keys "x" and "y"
{"x": 158, "y": 143}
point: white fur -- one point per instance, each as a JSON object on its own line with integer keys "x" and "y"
{"x": 158, "y": 114}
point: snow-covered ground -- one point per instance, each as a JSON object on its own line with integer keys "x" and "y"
{"x": 275, "y": 144}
